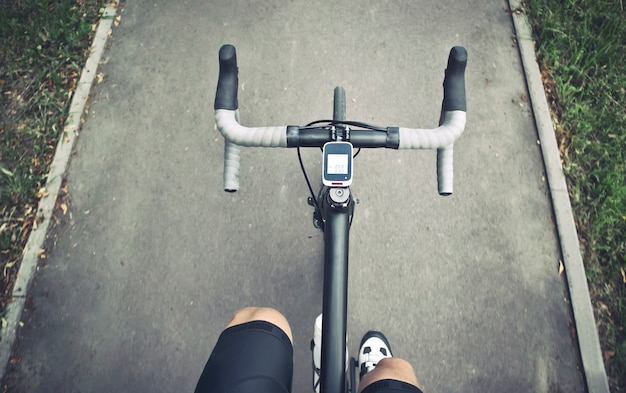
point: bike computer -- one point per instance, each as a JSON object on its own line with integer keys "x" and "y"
{"x": 337, "y": 164}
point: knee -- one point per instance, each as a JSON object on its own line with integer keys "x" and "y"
{"x": 271, "y": 315}
{"x": 390, "y": 368}
{"x": 399, "y": 367}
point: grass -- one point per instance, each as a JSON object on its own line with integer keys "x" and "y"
{"x": 44, "y": 45}
{"x": 582, "y": 49}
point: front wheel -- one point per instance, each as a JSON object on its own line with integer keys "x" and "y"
{"x": 339, "y": 104}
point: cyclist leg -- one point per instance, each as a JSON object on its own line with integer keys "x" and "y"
{"x": 253, "y": 354}
{"x": 380, "y": 371}
{"x": 390, "y": 375}
{"x": 249, "y": 314}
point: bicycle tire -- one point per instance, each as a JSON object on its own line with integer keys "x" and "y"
{"x": 339, "y": 104}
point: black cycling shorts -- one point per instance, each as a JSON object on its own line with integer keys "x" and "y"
{"x": 257, "y": 357}
{"x": 391, "y": 386}
{"x": 254, "y": 357}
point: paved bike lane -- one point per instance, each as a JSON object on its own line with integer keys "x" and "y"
{"x": 153, "y": 257}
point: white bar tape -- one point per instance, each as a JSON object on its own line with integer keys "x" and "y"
{"x": 442, "y": 136}
{"x": 445, "y": 170}
{"x": 231, "y": 166}
{"x": 245, "y": 136}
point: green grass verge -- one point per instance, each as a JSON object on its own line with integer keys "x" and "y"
{"x": 582, "y": 48}
{"x": 44, "y": 45}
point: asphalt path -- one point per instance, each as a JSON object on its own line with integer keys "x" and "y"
{"x": 153, "y": 257}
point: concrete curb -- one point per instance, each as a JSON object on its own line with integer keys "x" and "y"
{"x": 588, "y": 340}
{"x": 30, "y": 256}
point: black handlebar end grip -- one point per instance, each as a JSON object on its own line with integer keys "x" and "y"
{"x": 454, "y": 82}
{"x": 228, "y": 82}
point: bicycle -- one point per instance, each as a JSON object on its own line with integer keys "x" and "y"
{"x": 334, "y": 204}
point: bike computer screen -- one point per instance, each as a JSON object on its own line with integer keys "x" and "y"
{"x": 337, "y": 164}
